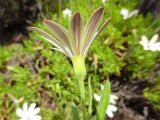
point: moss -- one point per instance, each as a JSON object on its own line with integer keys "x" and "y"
{"x": 37, "y": 68}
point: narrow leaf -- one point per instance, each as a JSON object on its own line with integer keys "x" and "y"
{"x": 92, "y": 26}
{"x": 90, "y": 97}
{"x": 104, "y": 101}
{"x": 75, "y": 114}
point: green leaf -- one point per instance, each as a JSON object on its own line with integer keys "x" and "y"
{"x": 90, "y": 96}
{"x": 75, "y": 114}
{"x": 104, "y": 102}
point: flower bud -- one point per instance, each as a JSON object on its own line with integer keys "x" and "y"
{"x": 79, "y": 66}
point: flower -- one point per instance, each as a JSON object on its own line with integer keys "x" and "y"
{"x": 28, "y": 112}
{"x": 76, "y": 40}
{"x": 152, "y": 44}
{"x": 103, "y": 1}
{"x": 111, "y": 107}
{"x": 67, "y": 12}
{"x": 126, "y": 14}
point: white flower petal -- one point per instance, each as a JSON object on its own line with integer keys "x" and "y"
{"x": 133, "y": 13}
{"x": 24, "y": 118}
{"x": 144, "y": 42}
{"x": 36, "y": 110}
{"x": 67, "y": 12}
{"x": 109, "y": 113}
{"x": 112, "y": 108}
{"x": 113, "y": 99}
{"x": 32, "y": 107}
{"x": 154, "y": 47}
{"x": 102, "y": 87}
{"x": 25, "y": 107}
{"x": 157, "y": 47}
{"x": 124, "y": 12}
{"x": 103, "y": 1}
{"x": 97, "y": 97}
{"x": 37, "y": 117}
{"x": 28, "y": 112}
{"x": 153, "y": 39}
{"x": 20, "y": 112}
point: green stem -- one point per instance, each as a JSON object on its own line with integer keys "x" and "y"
{"x": 82, "y": 92}
{"x": 80, "y": 72}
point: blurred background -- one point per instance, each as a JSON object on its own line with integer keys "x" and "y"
{"x": 31, "y": 72}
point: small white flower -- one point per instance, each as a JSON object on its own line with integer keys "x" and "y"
{"x": 126, "y": 14}
{"x": 103, "y": 1}
{"x": 28, "y": 112}
{"x": 111, "y": 107}
{"x": 152, "y": 44}
{"x": 67, "y": 12}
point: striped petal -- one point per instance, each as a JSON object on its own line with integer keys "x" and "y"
{"x": 91, "y": 28}
{"x": 50, "y": 39}
{"x": 76, "y": 31}
{"x": 60, "y": 33}
{"x": 103, "y": 26}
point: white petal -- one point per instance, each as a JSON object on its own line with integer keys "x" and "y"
{"x": 133, "y": 13}
{"x": 102, "y": 87}
{"x": 20, "y": 112}
{"x": 67, "y": 12}
{"x": 124, "y": 12}
{"x": 37, "y": 117}
{"x": 36, "y": 110}
{"x": 113, "y": 99}
{"x": 32, "y": 110}
{"x": 25, "y": 107}
{"x": 112, "y": 108}
{"x": 24, "y": 118}
{"x": 154, "y": 39}
{"x": 97, "y": 97}
{"x": 144, "y": 42}
{"x": 32, "y": 107}
{"x": 109, "y": 113}
{"x": 103, "y": 1}
{"x": 144, "y": 38}
{"x": 155, "y": 47}
{"x": 157, "y": 44}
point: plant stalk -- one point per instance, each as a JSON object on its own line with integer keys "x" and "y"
{"x": 80, "y": 72}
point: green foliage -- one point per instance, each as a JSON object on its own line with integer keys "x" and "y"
{"x": 153, "y": 93}
{"x": 33, "y": 71}
{"x": 104, "y": 102}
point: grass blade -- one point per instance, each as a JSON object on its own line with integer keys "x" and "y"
{"x": 104, "y": 102}
{"x": 75, "y": 114}
{"x": 90, "y": 97}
